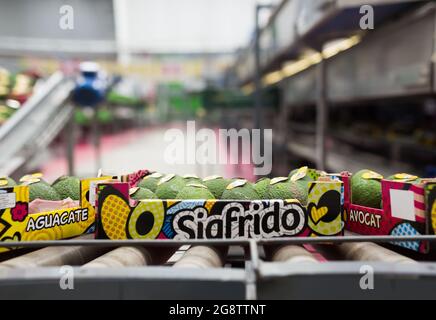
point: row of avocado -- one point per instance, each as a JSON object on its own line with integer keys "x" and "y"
{"x": 62, "y": 188}
{"x": 171, "y": 186}
{"x": 365, "y": 187}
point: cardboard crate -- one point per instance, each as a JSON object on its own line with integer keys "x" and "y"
{"x": 120, "y": 218}
{"x": 407, "y": 210}
{"x": 17, "y": 224}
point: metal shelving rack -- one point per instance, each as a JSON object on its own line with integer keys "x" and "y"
{"x": 357, "y": 75}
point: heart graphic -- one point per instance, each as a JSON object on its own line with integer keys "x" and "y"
{"x": 318, "y": 213}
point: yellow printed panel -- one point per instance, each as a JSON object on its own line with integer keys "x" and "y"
{"x": 59, "y": 224}
{"x": 324, "y": 208}
{"x": 116, "y": 212}
{"x": 151, "y": 210}
{"x": 16, "y": 224}
{"x": 430, "y": 195}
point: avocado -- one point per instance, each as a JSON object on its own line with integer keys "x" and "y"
{"x": 240, "y": 190}
{"x": 285, "y": 189}
{"x": 195, "y": 191}
{"x": 405, "y": 177}
{"x": 261, "y": 187}
{"x": 142, "y": 194}
{"x": 7, "y": 182}
{"x": 303, "y": 176}
{"x": 216, "y": 185}
{"x": 150, "y": 182}
{"x": 366, "y": 189}
{"x": 292, "y": 172}
{"x": 31, "y": 178}
{"x": 169, "y": 186}
{"x": 306, "y": 174}
{"x": 191, "y": 178}
{"x": 42, "y": 190}
{"x": 67, "y": 187}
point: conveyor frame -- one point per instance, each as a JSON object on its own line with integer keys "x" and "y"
{"x": 36, "y": 123}
{"x": 258, "y": 280}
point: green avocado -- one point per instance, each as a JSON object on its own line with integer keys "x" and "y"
{"x": 310, "y": 174}
{"x": 42, "y": 190}
{"x": 7, "y": 182}
{"x": 404, "y": 177}
{"x": 191, "y": 178}
{"x": 240, "y": 190}
{"x": 285, "y": 189}
{"x": 150, "y": 182}
{"x": 366, "y": 191}
{"x": 32, "y": 178}
{"x": 67, "y": 187}
{"x": 216, "y": 185}
{"x": 195, "y": 191}
{"x": 261, "y": 187}
{"x": 142, "y": 194}
{"x": 169, "y": 186}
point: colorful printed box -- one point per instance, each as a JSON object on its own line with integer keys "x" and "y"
{"x": 218, "y": 219}
{"x": 430, "y": 200}
{"x": 17, "y": 224}
{"x": 405, "y": 212}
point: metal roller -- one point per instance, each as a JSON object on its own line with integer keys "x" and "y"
{"x": 368, "y": 251}
{"x": 202, "y": 257}
{"x": 292, "y": 254}
{"x": 289, "y": 254}
{"x": 56, "y": 256}
{"x": 131, "y": 257}
{"x": 121, "y": 257}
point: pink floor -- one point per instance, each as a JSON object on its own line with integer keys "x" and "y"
{"x": 84, "y": 154}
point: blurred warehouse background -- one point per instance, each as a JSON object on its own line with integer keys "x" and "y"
{"x": 344, "y": 84}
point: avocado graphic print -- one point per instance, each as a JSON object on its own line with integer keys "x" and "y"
{"x": 324, "y": 209}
